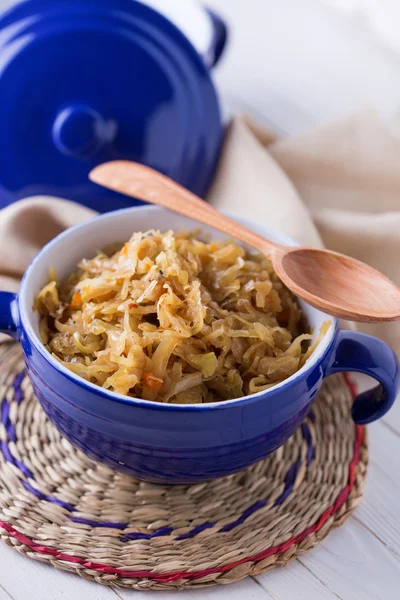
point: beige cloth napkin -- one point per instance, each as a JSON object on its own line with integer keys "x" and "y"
{"x": 337, "y": 185}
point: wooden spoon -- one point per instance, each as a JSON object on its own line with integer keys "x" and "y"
{"x": 336, "y": 284}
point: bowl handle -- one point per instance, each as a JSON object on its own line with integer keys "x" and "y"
{"x": 366, "y": 354}
{"x": 8, "y": 314}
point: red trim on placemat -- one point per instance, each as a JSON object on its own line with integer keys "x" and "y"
{"x": 167, "y": 577}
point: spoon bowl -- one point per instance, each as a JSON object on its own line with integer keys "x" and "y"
{"x": 334, "y": 283}
{"x": 319, "y": 277}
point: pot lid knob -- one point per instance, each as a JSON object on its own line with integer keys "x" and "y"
{"x": 80, "y": 131}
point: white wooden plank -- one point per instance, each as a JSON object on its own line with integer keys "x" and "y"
{"x": 379, "y": 510}
{"x": 4, "y": 595}
{"x": 355, "y": 565}
{"x": 392, "y": 418}
{"x": 247, "y": 589}
{"x": 22, "y": 578}
{"x": 295, "y": 581}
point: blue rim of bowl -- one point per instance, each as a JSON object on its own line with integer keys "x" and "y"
{"x": 25, "y": 324}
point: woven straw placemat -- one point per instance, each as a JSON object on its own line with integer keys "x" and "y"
{"x": 59, "y": 507}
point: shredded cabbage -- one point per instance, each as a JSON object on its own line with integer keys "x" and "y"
{"x": 171, "y": 318}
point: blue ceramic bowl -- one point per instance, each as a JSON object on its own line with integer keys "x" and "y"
{"x": 180, "y": 443}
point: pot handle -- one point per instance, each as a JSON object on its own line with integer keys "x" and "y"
{"x": 220, "y": 37}
{"x": 8, "y": 314}
{"x": 366, "y": 354}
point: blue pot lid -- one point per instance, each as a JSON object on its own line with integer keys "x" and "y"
{"x": 83, "y": 82}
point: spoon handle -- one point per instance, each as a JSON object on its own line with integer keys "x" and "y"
{"x": 139, "y": 181}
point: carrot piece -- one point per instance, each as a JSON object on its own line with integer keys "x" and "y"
{"x": 76, "y": 300}
{"x": 283, "y": 317}
{"x": 152, "y": 382}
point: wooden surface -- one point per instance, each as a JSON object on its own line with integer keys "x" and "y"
{"x": 292, "y": 64}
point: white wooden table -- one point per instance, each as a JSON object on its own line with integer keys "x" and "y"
{"x": 291, "y": 64}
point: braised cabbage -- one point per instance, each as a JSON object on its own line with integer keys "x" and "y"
{"x": 171, "y": 318}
